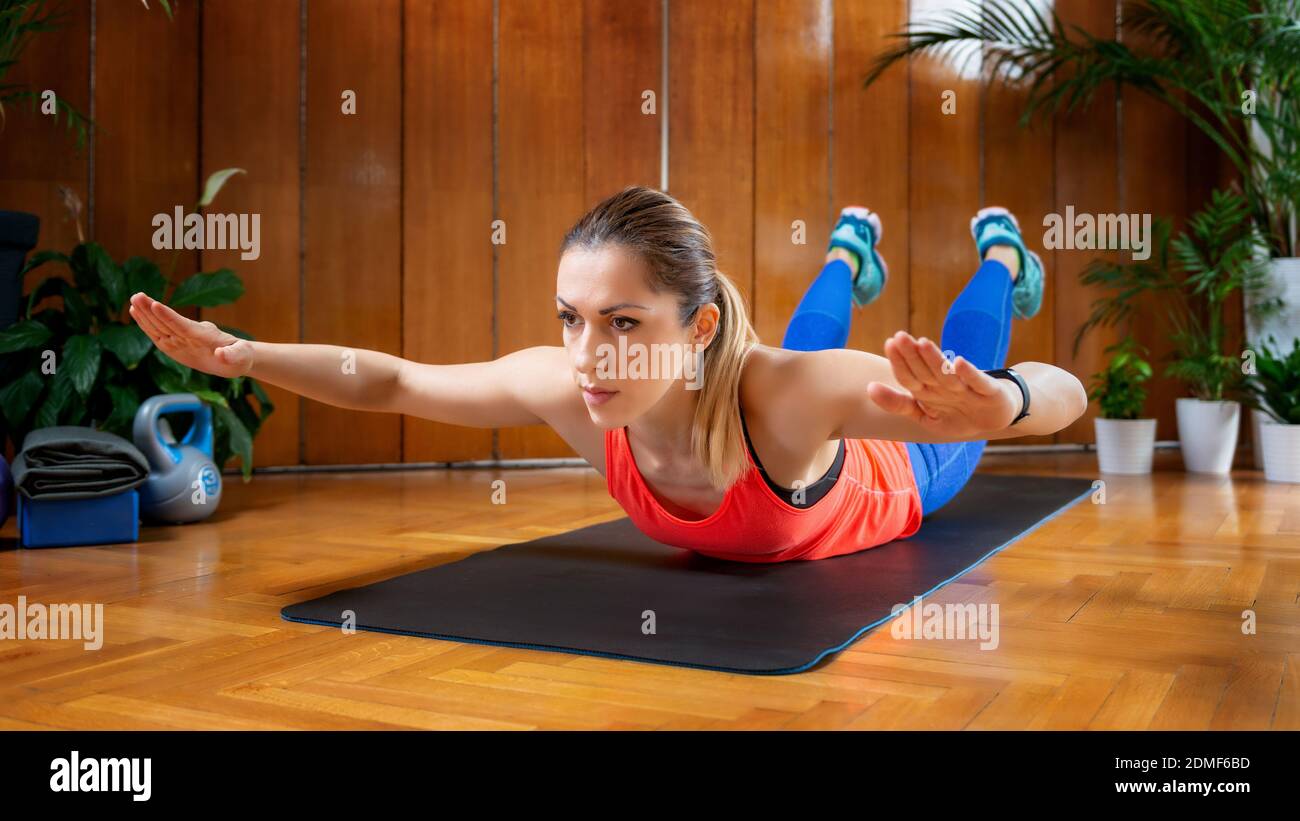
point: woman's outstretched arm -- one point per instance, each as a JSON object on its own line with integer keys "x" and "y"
{"x": 913, "y": 394}
{"x": 498, "y": 393}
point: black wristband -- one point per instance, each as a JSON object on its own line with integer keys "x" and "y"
{"x": 1008, "y": 373}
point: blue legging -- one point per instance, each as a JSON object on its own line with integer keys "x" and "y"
{"x": 978, "y": 327}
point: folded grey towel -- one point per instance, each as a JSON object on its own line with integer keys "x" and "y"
{"x": 71, "y": 462}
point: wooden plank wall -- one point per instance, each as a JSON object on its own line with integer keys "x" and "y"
{"x": 242, "y": 51}
{"x": 447, "y": 158}
{"x": 377, "y": 226}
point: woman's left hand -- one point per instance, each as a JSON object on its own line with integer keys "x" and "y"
{"x": 951, "y": 398}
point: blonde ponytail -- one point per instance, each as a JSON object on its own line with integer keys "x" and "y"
{"x": 717, "y": 440}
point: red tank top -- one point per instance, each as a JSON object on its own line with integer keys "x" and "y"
{"x": 873, "y": 501}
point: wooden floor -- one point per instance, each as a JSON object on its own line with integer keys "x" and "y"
{"x": 1120, "y": 615}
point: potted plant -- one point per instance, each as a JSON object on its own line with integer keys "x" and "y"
{"x": 1258, "y": 419}
{"x": 18, "y": 233}
{"x": 1189, "y": 280}
{"x": 1231, "y": 68}
{"x": 1274, "y": 389}
{"x": 20, "y": 20}
{"x": 80, "y": 360}
{"x": 1125, "y": 441}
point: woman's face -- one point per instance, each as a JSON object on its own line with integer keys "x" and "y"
{"x": 626, "y": 345}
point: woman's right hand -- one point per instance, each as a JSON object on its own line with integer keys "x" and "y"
{"x": 199, "y": 345}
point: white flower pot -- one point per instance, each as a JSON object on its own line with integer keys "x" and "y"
{"x": 1282, "y": 453}
{"x": 1284, "y": 325}
{"x": 1258, "y": 419}
{"x": 1125, "y": 445}
{"x": 1207, "y": 434}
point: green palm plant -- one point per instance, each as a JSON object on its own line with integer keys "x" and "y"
{"x": 20, "y": 21}
{"x": 1192, "y": 277}
{"x": 1230, "y": 67}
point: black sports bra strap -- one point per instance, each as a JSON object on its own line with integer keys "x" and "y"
{"x": 814, "y": 492}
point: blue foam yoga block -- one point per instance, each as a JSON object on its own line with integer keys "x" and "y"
{"x": 6, "y": 490}
{"x": 70, "y": 522}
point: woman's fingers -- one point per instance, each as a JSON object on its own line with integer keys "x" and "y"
{"x": 162, "y": 320}
{"x": 172, "y": 322}
{"x": 892, "y": 400}
{"x": 911, "y": 353}
{"x": 902, "y": 367}
{"x": 143, "y": 316}
{"x": 146, "y": 323}
{"x": 975, "y": 379}
{"x": 933, "y": 359}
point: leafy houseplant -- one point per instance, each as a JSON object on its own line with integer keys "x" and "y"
{"x": 1125, "y": 442}
{"x": 79, "y": 362}
{"x": 20, "y": 20}
{"x": 1275, "y": 386}
{"x": 1192, "y": 277}
{"x": 1118, "y": 388}
{"x": 1229, "y": 67}
{"x": 82, "y": 364}
{"x": 1274, "y": 389}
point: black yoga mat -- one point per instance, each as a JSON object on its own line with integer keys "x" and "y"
{"x": 588, "y": 591}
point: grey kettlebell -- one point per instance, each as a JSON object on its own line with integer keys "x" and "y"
{"x": 184, "y": 484}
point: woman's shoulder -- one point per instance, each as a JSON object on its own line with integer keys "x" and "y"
{"x": 771, "y": 374}
{"x": 800, "y": 390}
{"x": 769, "y": 387}
{"x": 763, "y": 362}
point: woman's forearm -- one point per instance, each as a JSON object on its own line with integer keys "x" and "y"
{"x": 1057, "y": 398}
{"x": 346, "y": 377}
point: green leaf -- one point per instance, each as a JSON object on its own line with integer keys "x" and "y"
{"x": 127, "y": 342}
{"x": 166, "y": 6}
{"x": 81, "y": 355}
{"x": 143, "y": 275}
{"x": 208, "y": 290}
{"x": 18, "y": 397}
{"x": 214, "y": 184}
{"x": 88, "y": 262}
{"x": 75, "y": 410}
{"x": 50, "y": 286}
{"x": 24, "y": 335}
{"x": 181, "y": 371}
{"x": 114, "y": 282}
{"x": 75, "y": 309}
{"x": 169, "y": 375}
{"x": 55, "y": 401}
{"x": 237, "y": 438}
{"x": 125, "y": 405}
{"x": 211, "y": 397}
{"x": 263, "y": 400}
{"x": 39, "y": 258}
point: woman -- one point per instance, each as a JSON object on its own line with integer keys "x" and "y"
{"x": 765, "y": 454}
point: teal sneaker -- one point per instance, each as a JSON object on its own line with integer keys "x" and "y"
{"x": 857, "y": 231}
{"x": 998, "y": 226}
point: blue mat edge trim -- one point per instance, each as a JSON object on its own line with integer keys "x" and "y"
{"x": 784, "y": 671}
{"x": 951, "y": 579}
